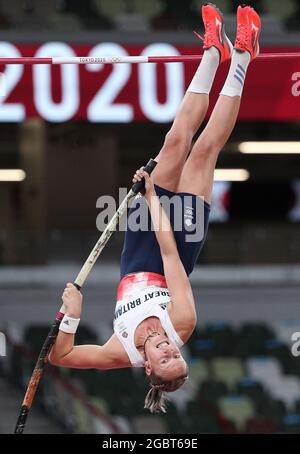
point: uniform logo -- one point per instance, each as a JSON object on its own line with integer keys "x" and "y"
{"x": 125, "y": 334}
{"x": 188, "y": 216}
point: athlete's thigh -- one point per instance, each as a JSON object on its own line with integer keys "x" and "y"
{"x": 171, "y": 158}
{"x": 177, "y": 144}
{"x": 198, "y": 174}
{"x": 168, "y": 170}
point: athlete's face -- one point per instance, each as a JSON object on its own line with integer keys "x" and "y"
{"x": 163, "y": 357}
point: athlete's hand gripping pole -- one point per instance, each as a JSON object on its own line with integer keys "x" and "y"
{"x": 79, "y": 281}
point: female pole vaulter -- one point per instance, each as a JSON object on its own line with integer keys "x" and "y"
{"x": 155, "y": 311}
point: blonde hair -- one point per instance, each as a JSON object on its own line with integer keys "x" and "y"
{"x": 155, "y": 400}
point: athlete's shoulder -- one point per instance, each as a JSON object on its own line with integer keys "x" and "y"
{"x": 183, "y": 323}
{"x": 116, "y": 356}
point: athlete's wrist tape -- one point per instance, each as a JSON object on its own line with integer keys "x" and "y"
{"x": 69, "y": 325}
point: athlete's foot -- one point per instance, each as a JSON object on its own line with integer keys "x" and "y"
{"x": 248, "y": 31}
{"x": 215, "y": 31}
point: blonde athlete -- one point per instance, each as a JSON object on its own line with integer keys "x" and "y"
{"x": 155, "y": 311}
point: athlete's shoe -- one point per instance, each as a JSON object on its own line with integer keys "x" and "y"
{"x": 248, "y": 31}
{"x": 215, "y": 31}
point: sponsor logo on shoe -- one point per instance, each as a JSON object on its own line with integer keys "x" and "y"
{"x": 219, "y": 29}
{"x": 255, "y": 33}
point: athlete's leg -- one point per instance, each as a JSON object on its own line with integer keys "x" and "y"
{"x": 177, "y": 143}
{"x": 194, "y": 106}
{"x": 198, "y": 172}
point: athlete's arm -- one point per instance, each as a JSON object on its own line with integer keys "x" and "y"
{"x": 64, "y": 353}
{"x": 108, "y": 356}
{"x": 183, "y": 313}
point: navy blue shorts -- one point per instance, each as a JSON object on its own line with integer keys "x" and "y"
{"x": 189, "y": 218}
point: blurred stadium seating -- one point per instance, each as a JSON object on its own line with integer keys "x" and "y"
{"x": 128, "y": 14}
{"x": 229, "y": 391}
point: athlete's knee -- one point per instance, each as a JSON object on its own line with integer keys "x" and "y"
{"x": 175, "y": 149}
{"x": 179, "y": 137}
{"x": 174, "y": 139}
{"x": 205, "y": 148}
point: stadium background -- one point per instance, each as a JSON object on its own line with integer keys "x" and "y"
{"x": 73, "y": 133}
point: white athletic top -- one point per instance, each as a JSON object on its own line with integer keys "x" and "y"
{"x": 130, "y": 311}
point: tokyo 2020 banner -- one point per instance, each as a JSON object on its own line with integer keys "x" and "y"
{"x": 125, "y": 93}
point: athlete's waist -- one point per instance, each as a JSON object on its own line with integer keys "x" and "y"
{"x": 132, "y": 283}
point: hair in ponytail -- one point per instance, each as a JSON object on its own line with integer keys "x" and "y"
{"x": 155, "y": 400}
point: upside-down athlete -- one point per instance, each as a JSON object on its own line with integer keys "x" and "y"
{"x": 155, "y": 311}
